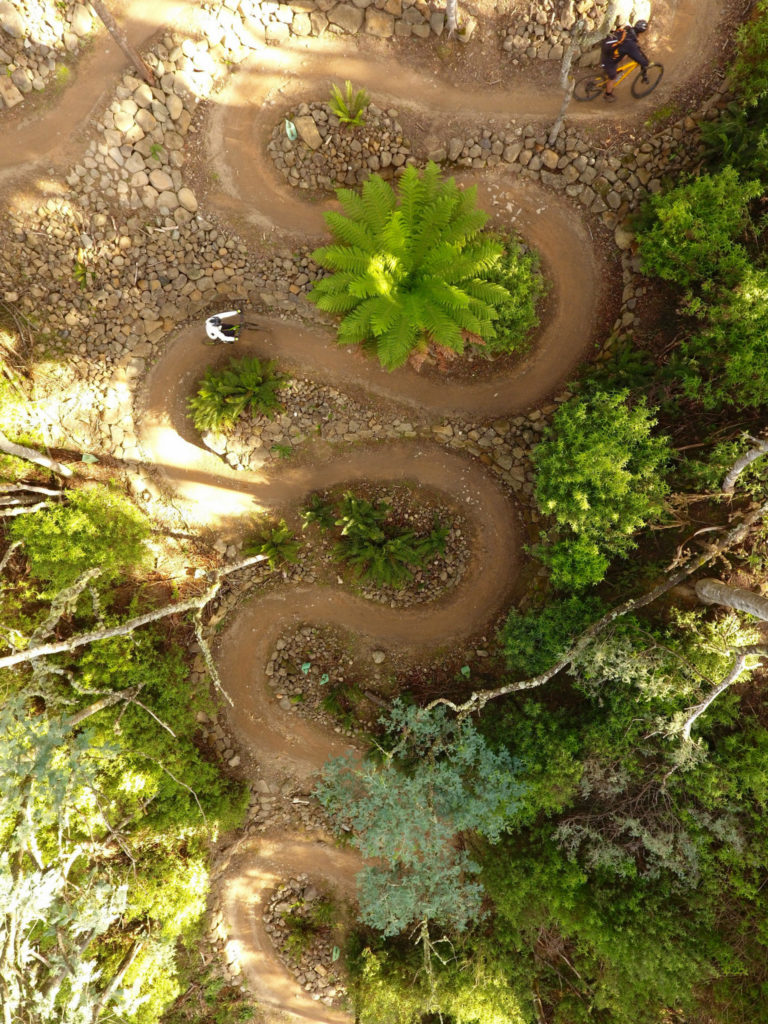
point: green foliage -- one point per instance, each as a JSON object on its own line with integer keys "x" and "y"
{"x": 469, "y": 988}
{"x": 277, "y": 542}
{"x": 518, "y": 272}
{"x": 738, "y": 138}
{"x": 245, "y": 385}
{"x": 377, "y": 549}
{"x": 440, "y": 779}
{"x": 749, "y": 74}
{"x": 409, "y": 268}
{"x": 687, "y": 235}
{"x": 96, "y": 527}
{"x": 349, "y": 105}
{"x": 599, "y": 473}
{"x": 726, "y": 361}
{"x": 318, "y": 511}
{"x": 533, "y": 641}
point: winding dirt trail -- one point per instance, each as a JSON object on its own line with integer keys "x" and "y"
{"x": 210, "y": 494}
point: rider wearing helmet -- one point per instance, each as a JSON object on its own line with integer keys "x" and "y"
{"x": 622, "y": 42}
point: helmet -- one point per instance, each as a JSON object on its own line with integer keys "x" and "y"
{"x": 641, "y": 26}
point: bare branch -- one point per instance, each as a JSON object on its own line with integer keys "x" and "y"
{"x": 478, "y": 700}
{"x": 21, "y": 510}
{"x": 64, "y": 602}
{"x": 760, "y": 449}
{"x": 9, "y": 554}
{"x": 711, "y": 591}
{"x": 210, "y": 664}
{"x": 739, "y": 665}
{"x": 30, "y": 455}
{"x": 43, "y": 650}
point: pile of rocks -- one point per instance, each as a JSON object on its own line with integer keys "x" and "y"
{"x": 138, "y": 159}
{"x": 327, "y": 154}
{"x": 291, "y": 911}
{"x": 34, "y": 34}
{"x": 310, "y": 669}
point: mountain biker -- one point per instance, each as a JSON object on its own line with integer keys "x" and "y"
{"x": 225, "y": 333}
{"x": 622, "y": 42}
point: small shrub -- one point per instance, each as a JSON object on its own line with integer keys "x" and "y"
{"x": 519, "y": 274}
{"x": 318, "y": 511}
{"x": 749, "y": 74}
{"x": 244, "y": 385}
{"x": 349, "y": 105}
{"x": 95, "y": 527}
{"x": 599, "y": 473}
{"x": 277, "y": 542}
{"x": 378, "y": 551}
{"x": 687, "y": 235}
{"x": 533, "y": 641}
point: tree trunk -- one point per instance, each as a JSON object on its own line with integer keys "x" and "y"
{"x": 121, "y": 39}
{"x": 451, "y": 16}
{"x": 711, "y": 591}
{"x": 30, "y": 455}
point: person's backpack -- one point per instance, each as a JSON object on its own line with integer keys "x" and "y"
{"x": 609, "y": 51}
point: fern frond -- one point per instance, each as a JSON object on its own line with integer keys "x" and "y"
{"x": 350, "y": 232}
{"x": 342, "y": 258}
{"x": 351, "y": 203}
{"x": 378, "y": 201}
{"x": 395, "y": 345}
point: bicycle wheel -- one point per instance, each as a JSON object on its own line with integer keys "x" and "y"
{"x": 654, "y": 73}
{"x": 590, "y": 87}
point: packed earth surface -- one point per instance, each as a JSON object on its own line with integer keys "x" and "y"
{"x": 186, "y": 196}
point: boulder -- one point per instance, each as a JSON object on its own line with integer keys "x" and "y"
{"x": 81, "y": 22}
{"x": 379, "y": 23}
{"x": 187, "y": 199}
{"x": 301, "y": 25}
{"x": 11, "y": 20}
{"x": 308, "y": 132}
{"x": 9, "y": 94}
{"x": 161, "y": 180}
{"x": 346, "y": 17}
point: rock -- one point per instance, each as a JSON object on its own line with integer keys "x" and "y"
{"x": 301, "y": 24}
{"x": 465, "y": 30}
{"x": 379, "y": 23}
{"x": 146, "y": 120}
{"x": 161, "y": 180}
{"x": 277, "y": 32}
{"x": 9, "y": 94}
{"x": 437, "y": 22}
{"x": 378, "y": 657}
{"x": 455, "y": 146}
{"x": 623, "y": 237}
{"x": 187, "y": 199}
{"x": 308, "y": 132}
{"x": 346, "y": 17}
{"x": 82, "y": 22}
{"x": 143, "y": 95}
{"x": 174, "y": 105}
{"x": 550, "y": 159}
{"x": 11, "y": 20}
{"x": 123, "y": 121}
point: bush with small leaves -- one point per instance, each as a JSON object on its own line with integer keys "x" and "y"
{"x": 245, "y": 385}
{"x": 688, "y": 235}
{"x": 95, "y": 527}
{"x": 600, "y": 474}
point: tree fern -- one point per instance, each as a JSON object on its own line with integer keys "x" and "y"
{"x": 410, "y": 267}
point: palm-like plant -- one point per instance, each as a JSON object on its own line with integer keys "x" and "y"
{"x": 409, "y": 268}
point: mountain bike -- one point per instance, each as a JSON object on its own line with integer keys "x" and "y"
{"x": 593, "y": 85}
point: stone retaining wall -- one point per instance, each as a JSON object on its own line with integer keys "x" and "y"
{"x": 34, "y": 35}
